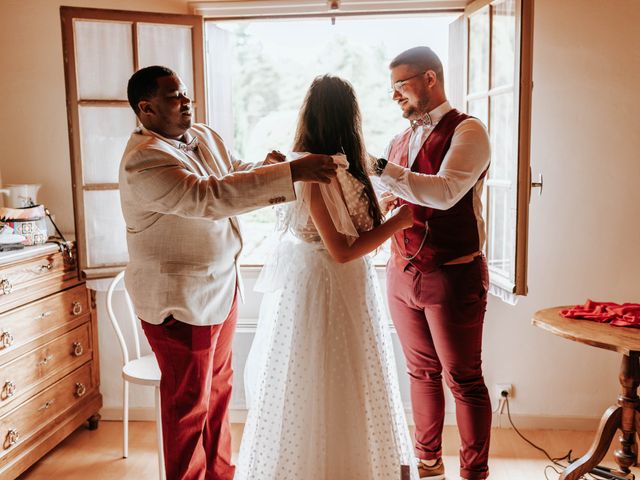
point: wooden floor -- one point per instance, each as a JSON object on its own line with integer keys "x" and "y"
{"x": 96, "y": 455}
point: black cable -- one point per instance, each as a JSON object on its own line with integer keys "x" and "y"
{"x": 555, "y": 461}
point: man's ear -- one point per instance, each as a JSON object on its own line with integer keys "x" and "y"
{"x": 145, "y": 107}
{"x": 431, "y": 78}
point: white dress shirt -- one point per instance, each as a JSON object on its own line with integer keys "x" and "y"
{"x": 465, "y": 161}
{"x": 468, "y": 156}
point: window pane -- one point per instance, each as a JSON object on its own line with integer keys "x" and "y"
{"x": 479, "y": 108}
{"x": 479, "y": 51}
{"x": 503, "y": 154}
{"x": 502, "y": 231}
{"x": 169, "y": 46}
{"x": 104, "y": 59}
{"x": 104, "y": 132}
{"x": 259, "y": 226}
{"x": 105, "y": 228}
{"x": 503, "y": 44}
{"x": 503, "y": 186}
{"x": 267, "y": 76}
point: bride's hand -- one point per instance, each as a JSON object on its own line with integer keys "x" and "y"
{"x": 274, "y": 157}
{"x": 404, "y": 216}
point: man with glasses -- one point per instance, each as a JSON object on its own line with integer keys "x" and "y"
{"x": 437, "y": 277}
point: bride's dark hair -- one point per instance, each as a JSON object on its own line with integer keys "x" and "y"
{"x": 330, "y": 123}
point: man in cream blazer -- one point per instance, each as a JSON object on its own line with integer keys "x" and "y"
{"x": 180, "y": 190}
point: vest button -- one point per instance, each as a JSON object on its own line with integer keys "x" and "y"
{"x": 406, "y": 241}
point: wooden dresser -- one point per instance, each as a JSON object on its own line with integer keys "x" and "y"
{"x": 49, "y": 373}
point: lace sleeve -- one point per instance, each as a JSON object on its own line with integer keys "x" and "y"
{"x": 299, "y": 213}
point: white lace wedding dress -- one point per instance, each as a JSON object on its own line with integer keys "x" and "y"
{"x": 321, "y": 378}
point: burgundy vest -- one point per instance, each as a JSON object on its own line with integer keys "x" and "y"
{"x": 452, "y": 233}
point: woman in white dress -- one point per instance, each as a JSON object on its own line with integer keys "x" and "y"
{"x": 324, "y": 395}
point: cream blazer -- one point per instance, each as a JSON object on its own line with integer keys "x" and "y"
{"x": 183, "y": 238}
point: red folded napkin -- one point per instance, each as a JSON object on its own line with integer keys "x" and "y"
{"x": 620, "y": 315}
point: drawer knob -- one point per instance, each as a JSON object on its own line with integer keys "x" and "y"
{"x": 46, "y": 268}
{"x": 12, "y": 438}
{"x": 45, "y": 361}
{"x": 78, "y": 349}
{"x": 6, "y": 339}
{"x": 5, "y": 286}
{"x": 8, "y": 390}
{"x": 77, "y": 308}
{"x": 44, "y": 315}
{"x": 47, "y": 404}
{"x": 80, "y": 389}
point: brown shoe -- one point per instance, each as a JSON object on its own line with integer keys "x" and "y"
{"x": 435, "y": 472}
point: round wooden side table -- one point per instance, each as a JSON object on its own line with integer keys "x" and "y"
{"x": 625, "y": 414}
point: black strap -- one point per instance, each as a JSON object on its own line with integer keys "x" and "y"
{"x": 64, "y": 244}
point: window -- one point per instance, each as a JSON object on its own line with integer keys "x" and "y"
{"x": 102, "y": 49}
{"x": 259, "y": 72}
{"x": 498, "y": 91}
{"x": 488, "y": 50}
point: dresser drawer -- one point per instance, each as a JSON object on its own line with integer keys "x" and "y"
{"x": 28, "y": 280}
{"x": 31, "y": 372}
{"x": 23, "y": 422}
{"x": 24, "y": 325}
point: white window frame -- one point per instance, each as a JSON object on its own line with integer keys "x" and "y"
{"x": 501, "y": 285}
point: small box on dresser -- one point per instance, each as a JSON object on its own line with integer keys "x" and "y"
{"x": 49, "y": 372}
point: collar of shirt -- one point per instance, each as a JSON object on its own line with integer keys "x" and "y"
{"x": 435, "y": 115}
{"x": 421, "y": 132}
{"x": 187, "y": 138}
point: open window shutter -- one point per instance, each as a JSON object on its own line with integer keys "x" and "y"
{"x": 102, "y": 49}
{"x": 455, "y": 77}
{"x": 498, "y": 92}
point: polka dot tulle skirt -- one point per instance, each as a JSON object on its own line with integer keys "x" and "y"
{"x": 321, "y": 381}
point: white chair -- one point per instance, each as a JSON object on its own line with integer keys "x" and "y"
{"x": 141, "y": 370}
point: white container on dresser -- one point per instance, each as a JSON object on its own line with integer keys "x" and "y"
{"x": 49, "y": 372}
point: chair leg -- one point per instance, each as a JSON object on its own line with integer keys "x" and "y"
{"x": 159, "y": 435}
{"x": 125, "y": 419}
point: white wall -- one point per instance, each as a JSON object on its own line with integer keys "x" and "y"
{"x": 584, "y": 232}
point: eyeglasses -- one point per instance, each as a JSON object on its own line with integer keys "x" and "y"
{"x": 400, "y": 84}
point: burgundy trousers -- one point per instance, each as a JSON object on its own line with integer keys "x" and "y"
{"x": 195, "y": 390}
{"x": 439, "y": 318}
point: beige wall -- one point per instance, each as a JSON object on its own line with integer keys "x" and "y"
{"x": 34, "y": 146}
{"x": 584, "y": 230}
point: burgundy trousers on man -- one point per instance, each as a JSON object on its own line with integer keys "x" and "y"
{"x": 439, "y": 318}
{"x": 195, "y": 391}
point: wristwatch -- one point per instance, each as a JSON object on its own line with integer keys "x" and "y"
{"x": 378, "y": 168}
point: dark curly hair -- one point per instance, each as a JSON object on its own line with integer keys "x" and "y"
{"x": 144, "y": 84}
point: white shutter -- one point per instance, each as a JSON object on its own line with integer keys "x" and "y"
{"x": 102, "y": 49}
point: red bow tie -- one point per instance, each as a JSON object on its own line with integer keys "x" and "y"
{"x": 424, "y": 121}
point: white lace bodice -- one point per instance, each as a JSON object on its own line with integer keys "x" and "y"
{"x": 352, "y": 194}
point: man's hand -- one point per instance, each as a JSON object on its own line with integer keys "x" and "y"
{"x": 274, "y": 157}
{"x": 313, "y": 168}
{"x": 388, "y": 201}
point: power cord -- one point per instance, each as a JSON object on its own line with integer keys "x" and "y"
{"x": 504, "y": 402}
{"x": 556, "y": 460}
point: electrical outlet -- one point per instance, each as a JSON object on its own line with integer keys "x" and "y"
{"x": 499, "y": 388}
